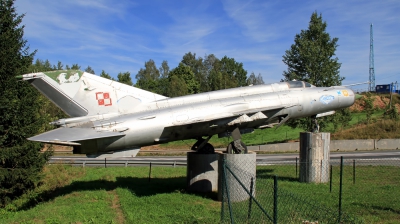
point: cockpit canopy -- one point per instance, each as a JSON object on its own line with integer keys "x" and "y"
{"x": 298, "y": 84}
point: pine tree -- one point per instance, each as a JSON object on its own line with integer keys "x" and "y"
{"x": 21, "y": 162}
{"x": 89, "y": 70}
{"x": 106, "y": 75}
{"x": 312, "y": 59}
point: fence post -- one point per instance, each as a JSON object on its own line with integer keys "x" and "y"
{"x": 296, "y": 167}
{"x": 150, "y": 172}
{"x": 250, "y": 199}
{"x": 275, "y": 199}
{"x": 222, "y": 190}
{"x": 320, "y": 172}
{"x": 340, "y": 189}
{"x": 354, "y": 171}
{"x": 330, "y": 180}
{"x": 105, "y": 162}
{"x": 227, "y": 191}
{"x": 126, "y": 163}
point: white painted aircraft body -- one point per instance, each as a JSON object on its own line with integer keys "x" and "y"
{"x": 111, "y": 119}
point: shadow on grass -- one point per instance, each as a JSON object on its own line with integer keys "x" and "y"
{"x": 269, "y": 174}
{"x": 375, "y": 207}
{"x": 141, "y": 187}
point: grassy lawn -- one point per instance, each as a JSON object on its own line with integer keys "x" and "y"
{"x": 126, "y": 195}
{"x": 112, "y": 195}
{"x": 374, "y": 198}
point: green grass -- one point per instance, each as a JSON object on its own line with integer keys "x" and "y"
{"x": 374, "y": 198}
{"x": 112, "y": 195}
{"x": 125, "y": 195}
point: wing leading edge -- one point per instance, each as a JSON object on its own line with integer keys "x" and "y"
{"x": 70, "y": 136}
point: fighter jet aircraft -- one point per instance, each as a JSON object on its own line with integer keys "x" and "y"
{"x": 110, "y": 119}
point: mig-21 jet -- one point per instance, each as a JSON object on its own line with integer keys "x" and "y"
{"x": 111, "y": 119}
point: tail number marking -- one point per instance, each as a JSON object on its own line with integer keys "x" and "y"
{"x": 103, "y": 99}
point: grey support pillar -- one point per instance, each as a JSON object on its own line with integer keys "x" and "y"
{"x": 244, "y": 168}
{"x": 202, "y": 172}
{"x": 314, "y": 157}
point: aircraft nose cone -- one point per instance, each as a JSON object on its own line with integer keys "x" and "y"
{"x": 352, "y": 97}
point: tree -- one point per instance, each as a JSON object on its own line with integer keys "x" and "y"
{"x": 148, "y": 77}
{"x": 177, "y": 87}
{"x": 259, "y": 80}
{"x": 106, "y": 75}
{"x": 89, "y": 70}
{"x": 233, "y": 74}
{"x": 60, "y": 66}
{"x": 198, "y": 68}
{"x": 21, "y": 162}
{"x": 182, "y": 81}
{"x": 163, "y": 81}
{"x": 125, "y": 78}
{"x": 312, "y": 59}
{"x": 164, "y": 69}
{"x": 75, "y": 67}
{"x": 253, "y": 80}
{"x": 41, "y": 66}
{"x": 211, "y": 66}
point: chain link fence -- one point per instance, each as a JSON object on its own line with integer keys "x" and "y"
{"x": 336, "y": 191}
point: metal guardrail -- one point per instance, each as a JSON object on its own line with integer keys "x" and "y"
{"x": 120, "y": 163}
{"x": 180, "y": 163}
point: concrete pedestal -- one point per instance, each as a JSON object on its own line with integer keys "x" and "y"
{"x": 202, "y": 172}
{"x": 314, "y": 157}
{"x": 244, "y": 167}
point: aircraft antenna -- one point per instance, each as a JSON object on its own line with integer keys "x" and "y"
{"x": 371, "y": 62}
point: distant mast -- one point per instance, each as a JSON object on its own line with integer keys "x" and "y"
{"x": 371, "y": 62}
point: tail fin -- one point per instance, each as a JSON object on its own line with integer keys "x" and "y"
{"x": 80, "y": 93}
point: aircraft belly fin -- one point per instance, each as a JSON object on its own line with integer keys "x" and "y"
{"x": 69, "y": 136}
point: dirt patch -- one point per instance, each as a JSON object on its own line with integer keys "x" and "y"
{"x": 379, "y": 102}
{"x": 116, "y": 206}
{"x": 57, "y": 147}
{"x": 152, "y": 147}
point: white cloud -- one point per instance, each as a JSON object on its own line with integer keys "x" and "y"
{"x": 117, "y": 36}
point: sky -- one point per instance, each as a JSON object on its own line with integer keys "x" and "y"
{"x": 120, "y": 36}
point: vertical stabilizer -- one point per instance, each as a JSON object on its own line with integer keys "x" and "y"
{"x": 80, "y": 93}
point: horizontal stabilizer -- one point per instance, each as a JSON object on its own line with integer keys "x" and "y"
{"x": 67, "y": 136}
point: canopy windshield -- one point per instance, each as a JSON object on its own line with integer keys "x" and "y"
{"x": 298, "y": 84}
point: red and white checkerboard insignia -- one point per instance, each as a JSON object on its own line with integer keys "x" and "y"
{"x": 103, "y": 99}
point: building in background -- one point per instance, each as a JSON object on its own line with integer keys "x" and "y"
{"x": 387, "y": 88}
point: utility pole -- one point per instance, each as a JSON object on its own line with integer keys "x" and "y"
{"x": 371, "y": 62}
{"x": 391, "y": 90}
